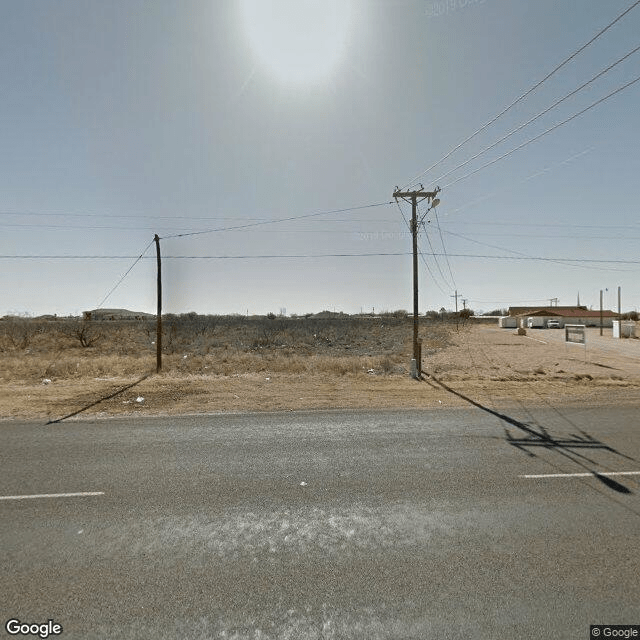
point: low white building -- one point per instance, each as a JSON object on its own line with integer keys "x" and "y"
{"x": 540, "y": 317}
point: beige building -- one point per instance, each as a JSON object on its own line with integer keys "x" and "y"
{"x": 541, "y": 317}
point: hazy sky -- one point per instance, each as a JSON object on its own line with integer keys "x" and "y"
{"x": 126, "y": 118}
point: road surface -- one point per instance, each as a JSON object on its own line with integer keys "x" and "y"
{"x": 451, "y": 523}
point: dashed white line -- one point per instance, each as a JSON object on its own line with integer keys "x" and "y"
{"x": 581, "y": 475}
{"x": 54, "y": 495}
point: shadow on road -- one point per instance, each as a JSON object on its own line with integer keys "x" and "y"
{"x": 539, "y": 437}
{"x": 108, "y": 397}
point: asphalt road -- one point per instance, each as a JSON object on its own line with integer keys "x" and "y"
{"x": 372, "y": 525}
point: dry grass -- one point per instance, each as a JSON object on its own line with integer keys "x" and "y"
{"x": 258, "y": 364}
{"x": 31, "y": 350}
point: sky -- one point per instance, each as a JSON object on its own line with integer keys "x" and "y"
{"x": 275, "y": 133}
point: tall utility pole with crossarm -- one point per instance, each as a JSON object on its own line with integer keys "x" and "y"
{"x": 414, "y": 197}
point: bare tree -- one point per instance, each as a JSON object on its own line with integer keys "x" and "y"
{"x": 85, "y": 334}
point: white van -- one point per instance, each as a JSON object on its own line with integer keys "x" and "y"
{"x": 535, "y": 323}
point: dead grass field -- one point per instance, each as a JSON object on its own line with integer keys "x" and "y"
{"x": 235, "y": 364}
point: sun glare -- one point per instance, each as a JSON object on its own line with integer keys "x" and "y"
{"x": 299, "y": 41}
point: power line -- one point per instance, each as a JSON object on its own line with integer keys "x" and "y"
{"x": 433, "y": 277}
{"x": 277, "y": 220}
{"x": 507, "y": 301}
{"x": 125, "y": 274}
{"x": 135, "y": 216}
{"x": 432, "y": 253}
{"x": 155, "y": 227}
{"x": 444, "y": 249}
{"x": 539, "y": 115}
{"x": 524, "y": 95}
{"x": 82, "y": 227}
{"x": 544, "y": 133}
{"x": 65, "y": 257}
{"x": 523, "y": 255}
{"x": 321, "y": 255}
{"x": 426, "y": 264}
{"x": 556, "y": 236}
{"x": 450, "y": 287}
{"x": 521, "y": 181}
{"x": 201, "y": 257}
{"x": 542, "y": 259}
{"x": 548, "y": 224}
{"x": 53, "y": 214}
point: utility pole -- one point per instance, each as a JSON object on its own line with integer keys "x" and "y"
{"x": 456, "y": 297}
{"x": 159, "y": 316}
{"x": 619, "y": 304}
{"x": 600, "y": 311}
{"x": 414, "y": 197}
{"x": 464, "y": 303}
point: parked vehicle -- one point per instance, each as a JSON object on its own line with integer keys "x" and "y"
{"x": 553, "y": 324}
{"x": 506, "y": 322}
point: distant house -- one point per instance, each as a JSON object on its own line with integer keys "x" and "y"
{"x": 562, "y": 315}
{"x": 521, "y": 311}
{"x": 115, "y": 314}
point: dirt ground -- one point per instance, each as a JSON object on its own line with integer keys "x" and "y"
{"x": 483, "y": 363}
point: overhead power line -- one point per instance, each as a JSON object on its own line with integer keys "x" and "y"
{"x": 544, "y": 133}
{"x": 512, "y": 186}
{"x": 54, "y": 214}
{"x": 317, "y": 255}
{"x": 519, "y": 254}
{"x": 424, "y": 260}
{"x": 449, "y": 286}
{"x": 196, "y": 257}
{"x": 435, "y": 214}
{"x": 126, "y": 273}
{"x": 121, "y": 228}
{"x": 433, "y": 253}
{"x": 524, "y": 95}
{"x": 157, "y": 228}
{"x": 542, "y": 259}
{"x": 635, "y": 227}
{"x": 277, "y": 220}
{"x": 537, "y": 116}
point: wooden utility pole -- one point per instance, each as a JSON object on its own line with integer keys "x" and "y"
{"x": 619, "y": 304}
{"x": 456, "y": 296}
{"x": 159, "y": 316}
{"x": 600, "y": 311}
{"x": 414, "y": 197}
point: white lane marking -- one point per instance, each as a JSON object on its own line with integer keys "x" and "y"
{"x": 54, "y": 495}
{"x": 582, "y": 475}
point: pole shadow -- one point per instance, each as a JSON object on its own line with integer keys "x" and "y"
{"x": 571, "y": 447}
{"x": 108, "y": 397}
